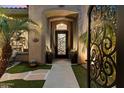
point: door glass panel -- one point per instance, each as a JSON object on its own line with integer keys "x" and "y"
{"x": 61, "y": 44}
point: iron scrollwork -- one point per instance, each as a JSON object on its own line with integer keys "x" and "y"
{"x": 103, "y": 28}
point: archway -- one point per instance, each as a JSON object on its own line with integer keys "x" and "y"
{"x": 61, "y": 21}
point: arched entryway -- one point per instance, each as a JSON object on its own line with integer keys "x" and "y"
{"x": 62, "y": 27}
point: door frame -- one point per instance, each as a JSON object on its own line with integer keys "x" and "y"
{"x": 56, "y": 45}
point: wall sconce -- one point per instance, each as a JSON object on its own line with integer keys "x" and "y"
{"x": 35, "y": 40}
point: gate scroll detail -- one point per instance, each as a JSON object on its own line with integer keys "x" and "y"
{"x": 103, "y": 27}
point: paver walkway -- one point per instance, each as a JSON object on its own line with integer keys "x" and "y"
{"x": 61, "y": 75}
{"x": 40, "y": 74}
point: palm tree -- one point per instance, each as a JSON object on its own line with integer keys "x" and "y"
{"x": 9, "y": 26}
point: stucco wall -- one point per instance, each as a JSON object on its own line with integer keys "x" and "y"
{"x": 37, "y": 49}
{"x": 68, "y": 7}
{"x": 37, "y": 13}
{"x": 83, "y": 27}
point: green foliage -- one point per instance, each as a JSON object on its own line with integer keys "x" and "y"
{"x": 9, "y": 26}
{"x": 81, "y": 75}
{"x": 1, "y": 40}
{"x": 84, "y": 39}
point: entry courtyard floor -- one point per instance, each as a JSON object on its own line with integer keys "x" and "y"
{"x": 23, "y": 76}
{"x": 61, "y": 74}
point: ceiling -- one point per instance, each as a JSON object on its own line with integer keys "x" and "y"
{"x": 57, "y": 13}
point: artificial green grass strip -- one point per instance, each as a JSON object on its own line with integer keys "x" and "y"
{"x": 24, "y": 67}
{"x": 81, "y": 75}
{"x": 23, "y": 83}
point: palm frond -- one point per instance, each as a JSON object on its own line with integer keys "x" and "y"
{"x": 4, "y": 25}
{"x": 83, "y": 37}
{"x": 8, "y": 26}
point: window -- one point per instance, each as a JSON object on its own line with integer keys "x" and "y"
{"x": 19, "y": 41}
{"x": 61, "y": 26}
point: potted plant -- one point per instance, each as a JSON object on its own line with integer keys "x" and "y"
{"x": 73, "y": 56}
{"x": 33, "y": 63}
{"x": 49, "y": 55}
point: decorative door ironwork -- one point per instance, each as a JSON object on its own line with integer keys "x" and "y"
{"x": 102, "y": 32}
{"x": 61, "y": 44}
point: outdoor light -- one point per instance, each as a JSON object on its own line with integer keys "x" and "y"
{"x": 35, "y": 39}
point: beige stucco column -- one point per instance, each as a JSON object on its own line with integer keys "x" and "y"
{"x": 37, "y": 49}
{"x": 82, "y": 27}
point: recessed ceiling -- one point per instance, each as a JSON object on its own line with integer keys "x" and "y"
{"x": 57, "y": 13}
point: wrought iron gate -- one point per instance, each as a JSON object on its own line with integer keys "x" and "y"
{"x": 102, "y": 46}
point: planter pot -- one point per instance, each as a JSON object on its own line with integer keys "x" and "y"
{"x": 33, "y": 63}
{"x": 49, "y": 57}
{"x": 73, "y": 56}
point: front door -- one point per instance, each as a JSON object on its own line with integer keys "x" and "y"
{"x": 61, "y": 49}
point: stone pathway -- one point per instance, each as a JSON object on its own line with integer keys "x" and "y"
{"x": 61, "y": 75}
{"x": 40, "y": 74}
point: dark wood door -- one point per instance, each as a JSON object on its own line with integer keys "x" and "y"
{"x": 61, "y": 49}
